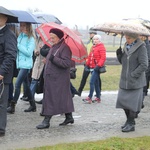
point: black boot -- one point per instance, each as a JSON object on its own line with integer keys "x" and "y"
{"x": 69, "y": 119}
{"x": 130, "y": 125}
{"x": 11, "y": 108}
{"x": 127, "y": 116}
{"x": 32, "y": 107}
{"x": 45, "y": 123}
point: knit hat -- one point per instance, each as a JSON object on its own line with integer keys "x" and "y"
{"x": 97, "y": 36}
{"x": 58, "y": 32}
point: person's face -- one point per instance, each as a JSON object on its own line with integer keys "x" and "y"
{"x": 23, "y": 27}
{"x": 129, "y": 39}
{"x": 54, "y": 38}
{"x": 96, "y": 41}
{"x": 3, "y": 20}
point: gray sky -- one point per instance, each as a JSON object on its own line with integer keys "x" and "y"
{"x": 85, "y": 13}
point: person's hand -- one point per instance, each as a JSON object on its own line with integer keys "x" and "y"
{"x": 36, "y": 52}
{"x": 86, "y": 67}
{"x": 97, "y": 68}
{"x": 51, "y": 57}
{"x": 44, "y": 60}
{"x": 1, "y": 77}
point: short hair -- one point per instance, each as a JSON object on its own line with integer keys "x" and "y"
{"x": 132, "y": 35}
{"x": 91, "y": 31}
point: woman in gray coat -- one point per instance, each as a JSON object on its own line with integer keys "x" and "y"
{"x": 134, "y": 62}
{"x": 57, "y": 95}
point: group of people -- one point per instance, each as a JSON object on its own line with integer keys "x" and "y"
{"x": 55, "y": 65}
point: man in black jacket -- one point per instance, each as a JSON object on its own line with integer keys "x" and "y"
{"x": 8, "y": 53}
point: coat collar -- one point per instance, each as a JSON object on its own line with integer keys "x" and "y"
{"x": 134, "y": 47}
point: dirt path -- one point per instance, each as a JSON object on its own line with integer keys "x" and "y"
{"x": 92, "y": 122}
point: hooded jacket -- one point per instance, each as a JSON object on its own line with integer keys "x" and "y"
{"x": 26, "y": 46}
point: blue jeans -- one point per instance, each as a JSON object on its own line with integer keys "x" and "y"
{"x": 94, "y": 84}
{"x": 33, "y": 86}
{"x": 22, "y": 77}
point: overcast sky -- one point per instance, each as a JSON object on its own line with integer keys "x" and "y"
{"x": 84, "y": 13}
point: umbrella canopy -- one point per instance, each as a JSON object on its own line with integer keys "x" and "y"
{"x": 45, "y": 18}
{"x": 120, "y": 27}
{"x": 79, "y": 52}
{"x": 144, "y": 22}
{"x": 11, "y": 17}
{"x": 25, "y": 16}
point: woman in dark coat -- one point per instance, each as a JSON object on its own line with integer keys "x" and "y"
{"x": 57, "y": 95}
{"x": 134, "y": 62}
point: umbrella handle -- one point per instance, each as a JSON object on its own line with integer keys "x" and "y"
{"x": 121, "y": 39}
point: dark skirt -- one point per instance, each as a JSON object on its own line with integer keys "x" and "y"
{"x": 130, "y": 99}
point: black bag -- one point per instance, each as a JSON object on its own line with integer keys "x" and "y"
{"x": 73, "y": 73}
{"x": 40, "y": 84}
{"x": 102, "y": 69}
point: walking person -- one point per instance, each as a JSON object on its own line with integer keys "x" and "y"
{"x": 8, "y": 53}
{"x": 134, "y": 61}
{"x": 95, "y": 60}
{"x": 86, "y": 71}
{"x": 37, "y": 67}
{"x": 57, "y": 97}
{"x": 26, "y": 46}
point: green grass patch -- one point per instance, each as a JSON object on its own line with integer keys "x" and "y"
{"x": 114, "y": 143}
{"x": 110, "y": 79}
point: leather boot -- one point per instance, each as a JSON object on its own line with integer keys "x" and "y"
{"x": 69, "y": 119}
{"x": 127, "y": 116}
{"x": 130, "y": 125}
{"x": 11, "y": 108}
{"x": 32, "y": 107}
{"x": 45, "y": 123}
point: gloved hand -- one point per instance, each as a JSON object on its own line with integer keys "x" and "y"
{"x": 51, "y": 57}
{"x": 97, "y": 68}
{"x": 86, "y": 67}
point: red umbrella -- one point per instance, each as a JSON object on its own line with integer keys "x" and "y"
{"x": 79, "y": 52}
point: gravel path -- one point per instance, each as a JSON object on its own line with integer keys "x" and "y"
{"x": 92, "y": 122}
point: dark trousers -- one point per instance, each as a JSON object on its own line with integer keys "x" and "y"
{"x": 84, "y": 78}
{"x": 4, "y": 89}
{"x": 72, "y": 88}
{"x": 11, "y": 91}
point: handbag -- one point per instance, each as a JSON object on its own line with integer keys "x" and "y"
{"x": 73, "y": 73}
{"x": 40, "y": 83}
{"x": 102, "y": 69}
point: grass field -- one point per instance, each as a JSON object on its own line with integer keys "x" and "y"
{"x": 110, "y": 79}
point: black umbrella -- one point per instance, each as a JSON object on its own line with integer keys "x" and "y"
{"x": 11, "y": 17}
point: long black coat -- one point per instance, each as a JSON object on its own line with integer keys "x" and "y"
{"x": 8, "y": 53}
{"x": 57, "y": 95}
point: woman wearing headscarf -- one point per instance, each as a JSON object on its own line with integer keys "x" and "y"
{"x": 57, "y": 97}
{"x": 134, "y": 62}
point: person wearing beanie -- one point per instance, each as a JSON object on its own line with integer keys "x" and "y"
{"x": 57, "y": 99}
{"x": 57, "y": 32}
{"x": 86, "y": 71}
{"x": 95, "y": 60}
